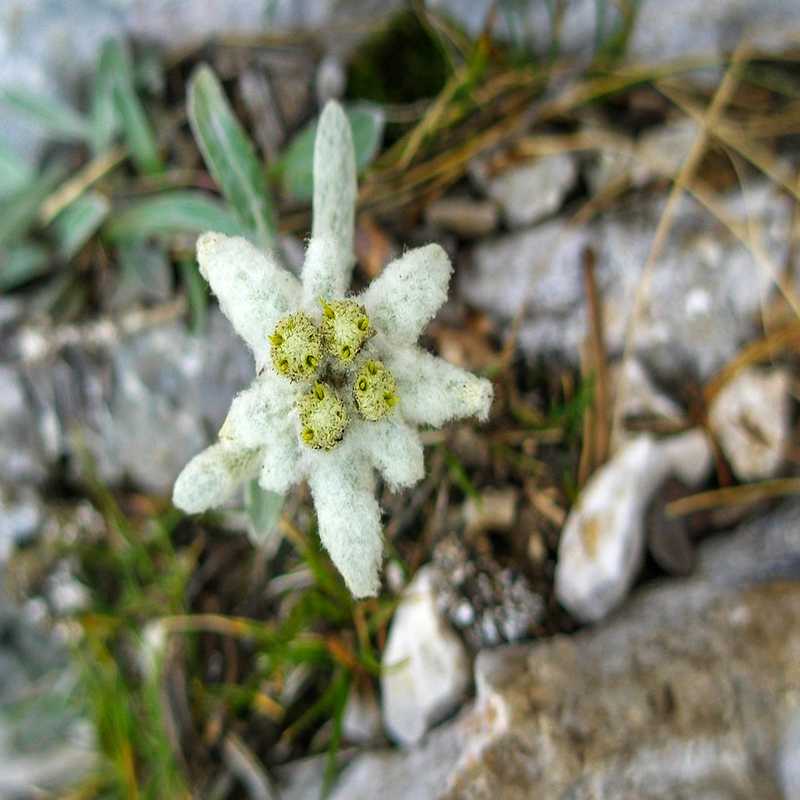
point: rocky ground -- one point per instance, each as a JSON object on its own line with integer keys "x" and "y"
{"x": 592, "y": 595}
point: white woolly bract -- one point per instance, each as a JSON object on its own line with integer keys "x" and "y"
{"x": 261, "y": 434}
{"x": 259, "y": 412}
{"x": 393, "y": 447}
{"x": 334, "y": 207}
{"x": 282, "y": 465}
{"x": 343, "y": 488}
{"x": 253, "y": 291}
{"x": 433, "y": 391}
{"x": 408, "y": 293}
{"x": 211, "y": 477}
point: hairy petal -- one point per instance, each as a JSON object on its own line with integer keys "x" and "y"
{"x": 408, "y": 293}
{"x": 393, "y": 447}
{"x": 254, "y": 292}
{"x": 334, "y": 200}
{"x": 211, "y": 477}
{"x": 258, "y": 411}
{"x": 282, "y": 467}
{"x": 343, "y": 486}
{"x": 432, "y": 391}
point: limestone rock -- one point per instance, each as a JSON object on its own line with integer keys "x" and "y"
{"x": 691, "y": 691}
{"x": 530, "y": 191}
{"x": 602, "y": 543}
{"x": 750, "y": 418}
{"x": 425, "y": 666}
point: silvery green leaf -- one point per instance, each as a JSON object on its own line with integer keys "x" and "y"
{"x": 168, "y": 213}
{"x": 104, "y": 116}
{"x": 76, "y": 224}
{"x": 139, "y": 135}
{"x": 15, "y": 172}
{"x": 296, "y": 165}
{"x": 230, "y": 156}
{"x": 51, "y": 115}
{"x": 263, "y": 511}
{"x": 18, "y": 211}
{"x": 20, "y": 263}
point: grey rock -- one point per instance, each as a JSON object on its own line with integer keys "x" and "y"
{"x": 790, "y": 760}
{"x": 21, "y": 516}
{"x": 425, "y": 667}
{"x": 662, "y": 151}
{"x": 690, "y": 691}
{"x": 140, "y": 407}
{"x": 699, "y": 306}
{"x": 361, "y": 723}
{"x": 710, "y": 28}
{"x": 533, "y": 190}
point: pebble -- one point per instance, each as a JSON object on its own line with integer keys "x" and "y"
{"x": 750, "y": 418}
{"x": 425, "y": 669}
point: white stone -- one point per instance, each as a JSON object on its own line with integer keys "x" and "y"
{"x": 425, "y": 669}
{"x": 531, "y": 191}
{"x": 602, "y": 543}
{"x": 689, "y": 456}
{"x": 661, "y": 152}
{"x": 750, "y": 418}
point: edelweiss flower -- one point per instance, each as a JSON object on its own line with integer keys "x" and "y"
{"x": 341, "y": 386}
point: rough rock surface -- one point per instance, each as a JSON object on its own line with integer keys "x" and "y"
{"x": 700, "y": 304}
{"x": 689, "y": 692}
{"x": 163, "y": 386}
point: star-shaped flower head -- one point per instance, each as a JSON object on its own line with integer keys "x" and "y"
{"x": 341, "y": 385}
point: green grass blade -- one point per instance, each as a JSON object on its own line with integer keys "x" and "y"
{"x": 197, "y": 295}
{"x": 105, "y": 121}
{"x": 15, "y": 172}
{"x": 296, "y": 165}
{"x": 18, "y": 211}
{"x": 78, "y": 222}
{"x": 230, "y": 156}
{"x": 139, "y": 136}
{"x": 54, "y": 117}
{"x": 170, "y": 213}
{"x": 21, "y": 263}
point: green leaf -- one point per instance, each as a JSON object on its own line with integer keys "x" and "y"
{"x": 15, "y": 172}
{"x": 197, "y": 294}
{"x": 76, "y": 224}
{"x": 296, "y": 165}
{"x": 139, "y": 136}
{"x": 105, "y": 120}
{"x": 18, "y": 211}
{"x": 170, "y": 213}
{"x": 263, "y": 510}
{"x": 230, "y": 156}
{"x": 21, "y": 263}
{"x": 55, "y": 118}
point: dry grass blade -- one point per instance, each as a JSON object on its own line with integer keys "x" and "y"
{"x": 734, "y": 496}
{"x": 684, "y": 178}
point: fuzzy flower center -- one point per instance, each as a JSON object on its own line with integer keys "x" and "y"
{"x": 345, "y": 328}
{"x": 296, "y": 347}
{"x": 323, "y": 417}
{"x": 374, "y": 391}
